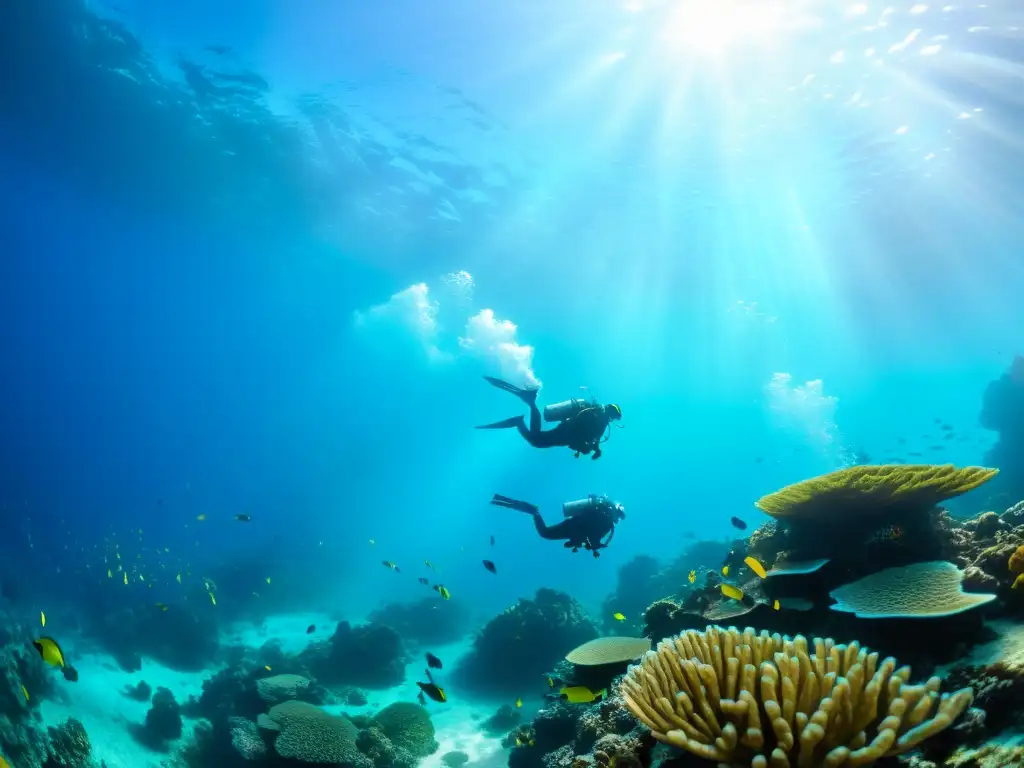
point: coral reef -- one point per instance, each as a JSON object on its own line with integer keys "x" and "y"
{"x": 163, "y": 721}
{"x": 502, "y": 721}
{"x": 69, "y": 746}
{"x": 523, "y": 643}
{"x": 425, "y": 622}
{"x": 715, "y": 694}
{"x": 142, "y": 691}
{"x": 24, "y": 682}
{"x": 278, "y": 688}
{"x": 567, "y": 735}
{"x": 368, "y": 656}
{"x": 310, "y": 735}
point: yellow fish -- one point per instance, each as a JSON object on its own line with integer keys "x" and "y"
{"x": 692, "y": 577}
{"x": 212, "y": 598}
{"x": 126, "y": 577}
{"x": 519, "y": 702}
{"x": 178, "y": 578}
{"x": 429, "y": 565}
{"x": 42, "y": 618}
{"x": 776, "y": 605}
{"x": 619, "y": 617}
{"x": 725, "y": 570}
{"x": 268, "y": 579}
{"x": 756, "y": 567}
{"x": 730, "y": 591}
{"x": 110, "y": 575}
{"x": 24, "y": 692}
{"x": 161, "y": 606}
{"x": 50, "y": 651}
{"x": 580, "y": 694}
{"x": 142, "y": 578}
{"x": 266, "y": 667}
{"x": 551, "y": 682}
{"x": 200, "y": 518}
{"x": 443, "y": 591}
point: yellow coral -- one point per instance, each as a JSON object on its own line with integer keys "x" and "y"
{"x": 743, "y": 698}
{"x": 874, "y": 490}
{"x": 1016, "y": 561}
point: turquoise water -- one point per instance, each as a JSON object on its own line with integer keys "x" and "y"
{"x": 258, "y": 256}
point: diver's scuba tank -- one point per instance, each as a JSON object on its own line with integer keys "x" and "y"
{"x": 565, "y": 409}
{"x": 591, "y": 503}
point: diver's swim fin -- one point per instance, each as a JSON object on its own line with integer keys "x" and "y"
{"x": 528, "y": 396}
{"x": 506, "y": 424}
{"x": 510, "y": 503}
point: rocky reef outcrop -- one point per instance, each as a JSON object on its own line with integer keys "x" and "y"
{"x": 521, "y": 644}
{"x": 425, "y": 622}
{"x": 1002, "y": 412}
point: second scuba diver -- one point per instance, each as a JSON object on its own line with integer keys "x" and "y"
{"x": 581, "y": 429}
{"x": 586, "y": 523}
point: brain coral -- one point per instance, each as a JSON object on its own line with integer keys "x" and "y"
{"x": 744, "y": 698}
{"x": 407, "y": 725}
{"x": 921, "y": 590}
{"x": 873, "y": 490}
{"x": 310, "y": 735}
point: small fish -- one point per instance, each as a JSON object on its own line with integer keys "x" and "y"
{"x": 266, "y": 667}
{"x": 42, "y": 618}
{"x": 725, "y": 570}
{"x": 126, "y": 577}
{"x": 142, "y": 578}
{"x": 580, "y": 694}
{"x": 243, "y": 518}
{"x": 737, "y": 523}
{"x": 756, "y": 567}
{"x": 551, "y": 682}
{"x": 519, "y": 702}
{"x": 311, "y": 629}
{"x": 793, "y": 604}
{"x": 161, "y": 606}
{"x": 432, "y": 690}
{"x": 200, "y": 518}
{"x": 110, "y": 574}
{"x": 268, "y": 579}
{"x": 212, "y": 598}
{"x": 619, "y": 616}
{"x": 488, "y": 565}
{"x": 430, "y": 565}
{"x": 421, "y": 699}
{"x": 178, "y": 578}
{"x": 389, "y": 564}
{"x": 372, "y": 542}
{"x": 423, "y": 580}
{"x": 50, "y": 651}
{"x": 24, "y": 692}
{"x": 433, "y": 662}
{"x": 443, "y": 591}
{"x": 691, "y": 577}
{"x": 776, "y": 605}
{"x": 730, "y": 591}
{"x": 492, "y": 541}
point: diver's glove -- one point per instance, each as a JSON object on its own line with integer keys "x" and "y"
{"x": 597, "y": 454}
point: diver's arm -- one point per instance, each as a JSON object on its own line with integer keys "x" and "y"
{"x": 611, "y": 535}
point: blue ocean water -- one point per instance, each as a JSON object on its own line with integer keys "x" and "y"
{"x": 257, "y": 257}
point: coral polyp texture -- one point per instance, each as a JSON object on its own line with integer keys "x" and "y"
{"x": 921, "y": 590}
{"x": 874, "y": 490}
{"x": 760, "y": 700}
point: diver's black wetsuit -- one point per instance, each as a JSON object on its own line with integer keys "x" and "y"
{"x": 582, "y": 432}
{"x": 586, "y": 529}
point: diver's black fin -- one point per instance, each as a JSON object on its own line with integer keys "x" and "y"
{"x": 504, "y": 424}
{"x": 528, "y": 396}
{"x": 510, "y": 503}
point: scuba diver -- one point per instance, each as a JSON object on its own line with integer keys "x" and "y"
{"x": 582, "y": 425}
{"x": 587, "y": 521}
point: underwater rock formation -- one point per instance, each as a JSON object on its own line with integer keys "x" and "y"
{"x": 23, "y": 739}
{"x": 425, "y": 622}
{"x": 368, "y": 656}
{"x": 181, "y": 637}
{"x": 163, "y": 720}
{"x": 1002, "y": 412}
{"x": 522, "y": 644}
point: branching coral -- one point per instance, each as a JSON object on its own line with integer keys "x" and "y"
{"x": 873, "y": 490}
{"x": 743, "y": 698}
